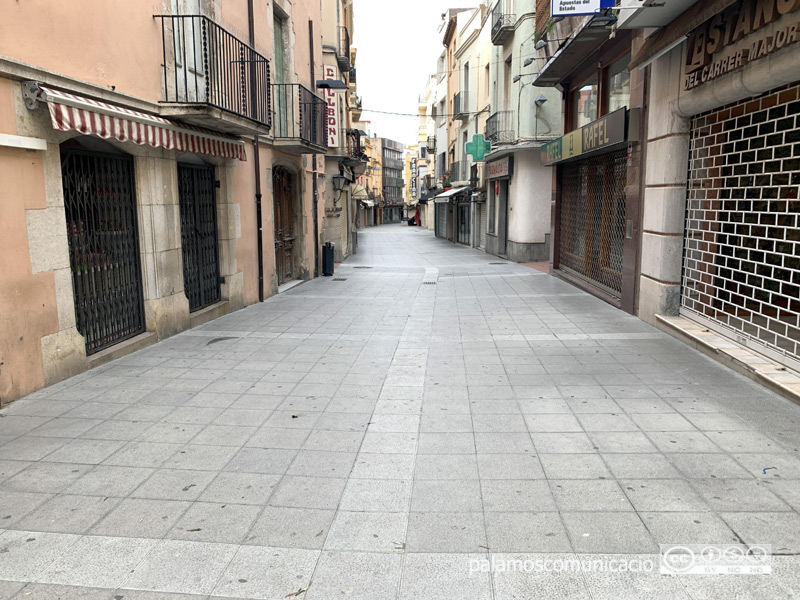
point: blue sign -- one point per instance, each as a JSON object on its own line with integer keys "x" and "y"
{"x": 574, "y": 8}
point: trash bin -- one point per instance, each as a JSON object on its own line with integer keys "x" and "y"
{"x": 327, "y": 259}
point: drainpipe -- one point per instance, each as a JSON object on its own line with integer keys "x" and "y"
{"x": 256, "y": 158}
{"x": 314, "y": 205}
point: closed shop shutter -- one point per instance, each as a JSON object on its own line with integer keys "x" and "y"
{"x": 482, "y": 214}
{"x": 592, "y": 225}
{"x": 441, "y": 220}
{"x": 741, "y": 269}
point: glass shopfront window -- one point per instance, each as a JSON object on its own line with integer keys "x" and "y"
{"x": 618, "y": 84}
{"x": 584, "y": 103}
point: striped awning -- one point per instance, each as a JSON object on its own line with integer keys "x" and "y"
{"x": 69, "y": 112}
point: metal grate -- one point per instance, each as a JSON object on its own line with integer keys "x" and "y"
{"x": 339, "y": 279}
{"x": 205, "y": 64}
{"x": 741, "y": 269}
{"x": 100, "y": 210}
{"x": 199, "y": 240}
{"x": 592, "y": 224}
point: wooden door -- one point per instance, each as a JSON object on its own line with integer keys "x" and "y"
{"x": 282, "y": 194}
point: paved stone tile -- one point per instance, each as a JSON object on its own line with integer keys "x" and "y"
{"x": 526, "y": 532}
{"x": 308, "y": 492}
{"x": 383, "y": 466}
{"x": 266, "y": 573}
{"x": 101, "y": 562}
{"x": 368, "y": 532}
{"x": 181, "y": 567}
{"x": 443, "y": 577}
{"x": 533, "y": 583}
{"x": 688, "y": 528}
{"x": 140, "y": 517}
{"x": 27, "y": 553}
{"x": 67, "y": 514}
{"x": 356, "y": 575}
{"x": 608, "y": 532}
{"x": 665, "y": 495}
{"x": 574, "y": 466}
{"x": 446, "y": 496}
{"x": 588, "y": 495}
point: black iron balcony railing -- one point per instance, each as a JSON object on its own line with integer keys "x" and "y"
{"x": 500, "y": 127}
{"x": 431, "y": 144}
{"x": 502, "y": 25}
{"x": 343, "y": 55}
{"x": 299, "y": 114}
{"x": 205, "y": 64}
{"x": 459, "y": 170}
{"x": 352, "y": 78}
{"x": 460, "y": 105}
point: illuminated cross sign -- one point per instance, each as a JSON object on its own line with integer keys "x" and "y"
{"x": 478, "y": 148}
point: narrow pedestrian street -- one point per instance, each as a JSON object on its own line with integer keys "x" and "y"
{"x": 390, "y": 432}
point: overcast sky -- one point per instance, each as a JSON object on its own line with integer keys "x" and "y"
{"x": 398, "y": 45}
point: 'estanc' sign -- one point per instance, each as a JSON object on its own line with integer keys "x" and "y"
{"x": 572, "y": 8}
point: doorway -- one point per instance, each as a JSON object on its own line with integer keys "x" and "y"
{"x": 199, "y": 239}
{"x": 285, "y": 234}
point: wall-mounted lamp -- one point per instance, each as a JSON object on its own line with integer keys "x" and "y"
{"x": 540, "y": 45}
{"x": 339, "y": 181}
{"x": 516, "y": 78}
{"x": 331, "y": 84}
{"x": 528, "y": 61}
{"x": 541, "y": 99}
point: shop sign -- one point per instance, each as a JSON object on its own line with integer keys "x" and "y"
{"x": 605, "y": 131}
{"x": 500, "y": 168}
{"x": 413, "y": 178}
{"x": 571, "y": 8}
{"x": 332, "y": 116}
{"x": 744, "y": 33}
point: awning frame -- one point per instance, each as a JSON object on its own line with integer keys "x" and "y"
{"x": 71, "y": 112}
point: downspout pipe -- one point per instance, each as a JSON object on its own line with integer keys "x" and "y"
{"x": 256, "y": 156}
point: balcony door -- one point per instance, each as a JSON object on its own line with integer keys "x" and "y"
{"x": 190, "y": 62}
{"x": 282, "y": 97}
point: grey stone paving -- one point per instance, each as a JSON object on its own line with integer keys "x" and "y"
{"x": 371, "y": 435}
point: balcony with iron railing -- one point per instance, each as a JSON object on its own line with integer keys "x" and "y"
{"x": 502, "y": 25}
{"x": 343, "y": 54}
{"x": 460, "y": 105}
{"x": 500, "y": 127}
{"x": 430, "y": 144}
{"x": 299, "y": 119}
{"x": 356, "y": 159}
{"x": 460, "y": 171}
{"x": 213, "y": 79}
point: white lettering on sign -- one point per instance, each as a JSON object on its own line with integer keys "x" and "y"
{"x": 332, "y": 112}
{"x": 569, "y": 8}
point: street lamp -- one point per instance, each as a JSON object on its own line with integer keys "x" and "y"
{"x": 339, "y": 182}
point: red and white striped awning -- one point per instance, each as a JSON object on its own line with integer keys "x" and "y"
{"x": 70, "y": 112}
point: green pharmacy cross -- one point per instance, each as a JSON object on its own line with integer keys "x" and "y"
{"x": 478, "y": 148}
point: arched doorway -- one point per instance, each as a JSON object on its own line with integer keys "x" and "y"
{"x": 286, "y": 226}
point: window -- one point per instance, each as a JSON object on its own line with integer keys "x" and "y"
{"x": 618, "y": 84}
{"x": 584, "y": 103}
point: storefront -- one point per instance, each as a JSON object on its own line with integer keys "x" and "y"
{"x": 725, "y": 250}
{"x": 498, "y": 174}
{"x": 450, "y": 207}
{"x": 590, "y": 224}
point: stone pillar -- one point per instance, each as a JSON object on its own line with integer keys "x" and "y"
{"x": 665, "y": 192}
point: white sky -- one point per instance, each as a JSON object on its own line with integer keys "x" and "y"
{"x": 398, "y": 46}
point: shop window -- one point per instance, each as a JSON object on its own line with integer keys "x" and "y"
{"x": 490, "y": 209}
{"x": 618, "y": 84}
{"x": 584, "y": 103}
